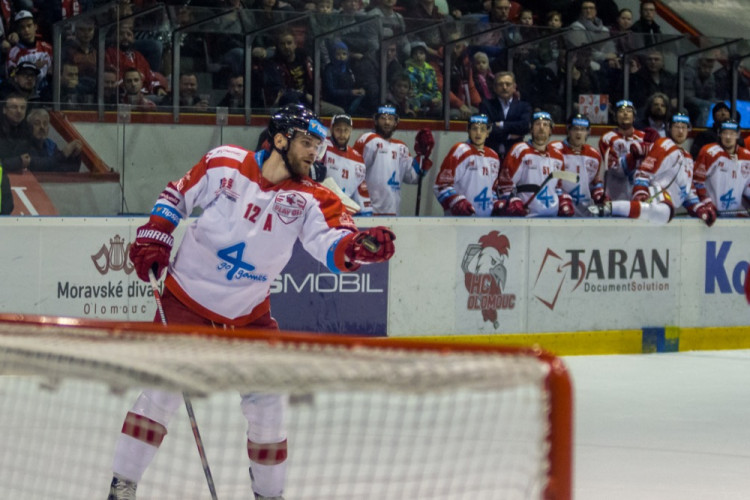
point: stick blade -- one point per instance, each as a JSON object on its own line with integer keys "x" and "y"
{"x": 565, "y": 175}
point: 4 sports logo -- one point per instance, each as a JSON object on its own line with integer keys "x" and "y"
{"x": 235, "y": 267}
{"x": 483, "y": 265}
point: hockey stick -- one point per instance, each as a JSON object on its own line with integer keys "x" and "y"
{"x": 419, "y": 188}
{"x": 662, "y": 190}
{"x": 556, "y": 174}
{"x": 188, "y": 403}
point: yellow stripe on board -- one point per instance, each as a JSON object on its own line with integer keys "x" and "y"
{"x": 647, "y": 340}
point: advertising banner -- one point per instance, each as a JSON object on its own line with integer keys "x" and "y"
{"x": 603, "y": 277}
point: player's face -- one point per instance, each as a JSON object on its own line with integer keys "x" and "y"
{"x": 385, "y": 125}
{"x": 341, "y": 133}
{"x": 679, "y": 132}
{"x": 728, "y": 139}
{"x": 577, "y": 135}
{"x": 541, "y": 131}
{"x": 478, "y": 133}
{"x": 303, "y": 150}
{"x": 625, "y": 117}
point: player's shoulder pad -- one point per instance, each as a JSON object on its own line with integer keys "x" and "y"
{"x": 663, "y": 144}
{"x": 227, "y": 151}
{"x": 713, "y": 149}
{"x": 559, "y": 145}
{"x": 609, "y": 136}
{"x": 519, "y": 149}
{"x": 590, "y": 150}
{"x": 460, "y": 149}
{"x": 639, "y": 134}
{"x": 743, "y": 153}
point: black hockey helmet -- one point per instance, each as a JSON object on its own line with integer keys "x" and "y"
{"x": 343, "y": 118}
{"x": 578, "y": 120}
{"x": 294, "y": 118}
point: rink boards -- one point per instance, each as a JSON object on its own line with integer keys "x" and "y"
{"x": 598, "y": 285}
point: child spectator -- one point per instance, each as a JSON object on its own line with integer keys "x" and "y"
{"x": 400, "y": 95}
{"x": 424, "y": 81}
{"x": 45, "y": 155}
{"x": 483, "y": 77}
{"x": 340, "y": 86}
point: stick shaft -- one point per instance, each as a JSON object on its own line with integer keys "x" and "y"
{"x": 419, "y": 188}
{"x": 188, "y": 403}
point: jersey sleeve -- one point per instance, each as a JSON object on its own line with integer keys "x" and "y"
{"x": 325, "y": 230}
{"x": 444, "y": 186}
{"x": 362, "y": 197}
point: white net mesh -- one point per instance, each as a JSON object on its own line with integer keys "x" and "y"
{"x": 366, "y": 421}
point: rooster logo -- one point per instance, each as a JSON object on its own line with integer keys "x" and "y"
{"x": 484, "y": 271}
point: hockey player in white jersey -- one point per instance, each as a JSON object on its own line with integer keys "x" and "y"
{"x": 663, "y": 181}
{"x": 389, "y": 163}
{"x": 530, "y": 164}
{"x": 467, "y": 181}
{"x": 615, "y": 145}
{"x": 722, "y": 172}
{"x": 345, "y": 166}
{"x": 584, "y": 160}
{"x": 256, "y": 205}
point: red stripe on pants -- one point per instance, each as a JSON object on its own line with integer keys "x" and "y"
{"x": 144, "y": 429}
{"x": 267, "y": 454}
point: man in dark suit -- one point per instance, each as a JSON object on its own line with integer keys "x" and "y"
{"x": 510, "y": 117}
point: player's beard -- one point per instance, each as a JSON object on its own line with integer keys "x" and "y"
{"x": 382, "y": 133}
{"x": 296, "y": 164}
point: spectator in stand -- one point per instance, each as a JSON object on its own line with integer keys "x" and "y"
{"x": 720, "y": 113}
{"x": 126, "y": 57}
{"x": 590, "y": 28}
{"x": 190, "y": 99}
{"x": 464, "y": 97}
{"x": 289, "y": 76}
{"x": 134, "y": 93}
{"x": 46, "y": 156}
{"x": 424, "y": 81}
{"x": 653, "y": 78}
{"x": 526, "y": 17}
{"x": 71, "y": 91}
{"x": 339, "y": 85}
{"x": 111, "y": 87}
{"x": 493, "y": 43}
{"x": 548, "y": 51}
{"x": 656, "y": 114}
{"x": 15, "y": 139}
{"x": 80, "y": 51}
{"x": 51, "y": 11}
{"x": 393, "y": 63}
{"x": 510, "y": 117}
{"x": 22, "y": 81}
{"x": 400, "y": 95}
{"x": 234, "y": 99}
{"x": 646, "y": 23}
{"x": 623, "y": 23}
{"x": 483, "y": 77}
{"x": 433, "y": 39}
{"x": 701, "y": 89}
{"x": 392, "y": 21}
{"x": 30, "y": 49}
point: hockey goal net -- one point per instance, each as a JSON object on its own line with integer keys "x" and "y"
{"x": 368, "y": 419}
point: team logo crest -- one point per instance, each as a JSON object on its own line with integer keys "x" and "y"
{"x": 113, "y": 258}
{"x": 484, "y": 271}
{"x": 289, "y": 206}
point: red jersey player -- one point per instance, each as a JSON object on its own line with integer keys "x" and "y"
{"x": 530, "y": 164}
{"x": 615, "y": 145}
{"x": 722, "y": 172}
{"x": 345, "y": 166}
{"x": 255, "y": 206}
{"x": 467, "y": 181}
{"x": 389, "y": 163}
{"x": 584, "y": 160}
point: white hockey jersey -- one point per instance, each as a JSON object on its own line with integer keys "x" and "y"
{"x": 585, "y": 163}
{"x": 230, "y": 255}
{"x": 526, "y": 165}
{"x": 613, "y": 146}
{"x": 470, "y": 173}
{"x": 347, "y": 168}
{"x": 724, "y": 177}
{"x": 388, "y": 164}
{"x": 668, "y": 167}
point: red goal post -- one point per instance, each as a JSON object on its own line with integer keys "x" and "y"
{"x": 368, "y": 416}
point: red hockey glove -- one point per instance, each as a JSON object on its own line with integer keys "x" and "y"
{"x": 566, "y": 208}
{"x": 509, "y": 208}
{"x": 704, "y": 210}
{"x": 151, "y": 248}
{"x": 421, "y": 164}
{"x": 651, "y": 135}
{"x": 640, "y": 193}
{"x": 371, "y": 246}
{"x": 424, "y": 142}
{"x": 462, "y": 207}
{"x": 598, "y": 196}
